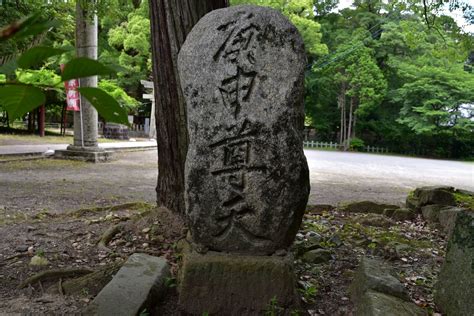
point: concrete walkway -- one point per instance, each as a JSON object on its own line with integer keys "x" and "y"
{"x": 16, "y": 150}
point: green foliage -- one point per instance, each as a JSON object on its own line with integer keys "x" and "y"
{"x": 301, "y": 14}
{"x": 84, "y": 67}
{"x": 41, "y": 78}
{"x": 309, "y": 293}
{"x": 357, "y": 144}
{"x": 20, "y": 99}
{"x": 130, "y": 45}
{"x": 405, "y": 79}
{"x": 105, "y": 104}
{"x": 125, "y": 101}
{"x": 37, "y": 55}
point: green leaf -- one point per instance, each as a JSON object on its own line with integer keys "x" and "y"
{"x": 35, "y": 25}
{"x": 32, "y": 25}
{"x": 9, "y": 67}
{"x": 37, "y": 55}
{"x": 105, "y": 104}
{"x": 20, "y": 99}
{"x": 84, "y": 67}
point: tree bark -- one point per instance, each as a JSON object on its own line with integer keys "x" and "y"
{"x": 341, "y": 101}
{"x": 349, "y": 125}
{"x": 171, "y": 21}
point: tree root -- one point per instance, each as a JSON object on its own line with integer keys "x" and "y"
{"x": 91, "y": 283}
{"x": 53, "y": 274}
{"x": 108, "y": 235}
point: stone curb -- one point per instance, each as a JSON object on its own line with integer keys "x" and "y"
{"x": 138, "y": 284}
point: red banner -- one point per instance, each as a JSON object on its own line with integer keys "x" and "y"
{"x": 72, "y": 95}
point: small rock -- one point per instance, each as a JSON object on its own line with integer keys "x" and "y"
{"x": 280, "y": 252}
{"x": 30, "y": 228}
{"x": 431, "y": 212}
{"x": 22, "y": 248}
{"x": 365, "y": 207}
{"x": 75, "y": 244}
{"x": 145, "y": 245}
{"x": 38, "y": 261}
{"x": 299, "y": 236}
{"x": 336, "y": 240}
{"x": 317, "y": 256}
{"x": 31, "y": 250}
{"x": 146, "y": 230}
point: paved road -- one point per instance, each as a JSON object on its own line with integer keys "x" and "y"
{"x": 56, "y": 185}
{"x": 337, "y": 176}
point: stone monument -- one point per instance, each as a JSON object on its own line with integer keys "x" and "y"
{"x": 246, "y": 177}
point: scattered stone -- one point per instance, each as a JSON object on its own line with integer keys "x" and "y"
{"x": 375, "y": 275}
{"x": 21, "y": 248}
{"x": 336, "y": 240}
{"x": 138, "y": 283}
{"x": 454, "y": 292}
{"x": 316, "y": 256}
{"x": 319, "y": 208}
{"x": 31, "y": 250}
{"x": 247, "y": 180}
{"x": 376, "y": 220}
{"x": 400, "y": 214}
{"x": 39, "y": 261}
{"x": 441, "y": 195}
{"x": 447, "y": 219}
{"x": 365, "y": 207}
{"x": 379, "y": 304}
{"x": 431, "y": 212}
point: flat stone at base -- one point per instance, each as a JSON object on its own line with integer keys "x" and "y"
{"x": 136, "y": 284}
{"x": 92, "y": 154}
{"x": 227, "y": 284}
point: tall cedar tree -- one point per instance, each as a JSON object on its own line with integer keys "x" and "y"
{"x": 171, "y": 21}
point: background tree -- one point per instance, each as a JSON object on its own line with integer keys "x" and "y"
{"x": 171, "y": 21}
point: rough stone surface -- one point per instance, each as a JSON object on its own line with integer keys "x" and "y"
{"x": 447, "y": 219}
{"x": 366, "y": 207}
{"x": 454, "y": 292}
{"x": 400, "y": 214}
{"x": 379, "y": 304}
{"x": 232, "y": 284}
{"x": 441, "y": 195}
{"x": 431, "y": 212}
{"x": 317, "y": 256}
{"x": 376, "y": 220}
{"x": 247, "y": 181}
{"x": 136, "y": 284}
{"x": 89, "y": 154}
{"x": 374, "y": 275}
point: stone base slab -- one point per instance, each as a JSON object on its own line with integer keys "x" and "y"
{"x": 228, "y": 284}
{"x": 92, "y": 154}
{"x": 135, "y": 287}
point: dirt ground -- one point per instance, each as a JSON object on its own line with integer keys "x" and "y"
{"x": 39, "y": 216}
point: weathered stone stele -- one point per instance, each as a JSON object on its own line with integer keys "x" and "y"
{"x": 247, "y": 184}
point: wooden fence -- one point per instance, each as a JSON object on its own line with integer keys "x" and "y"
{"x": 336, "y": 146}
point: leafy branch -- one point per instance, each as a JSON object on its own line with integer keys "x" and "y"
{"x": 20, "y": 98}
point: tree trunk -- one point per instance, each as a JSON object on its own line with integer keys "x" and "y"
{"x": 171, "y": 21}
{"x": 349, "y": 125}
{"x": 341, "y": 102}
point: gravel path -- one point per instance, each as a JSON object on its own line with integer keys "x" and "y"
{"x": 27, "y": 187}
